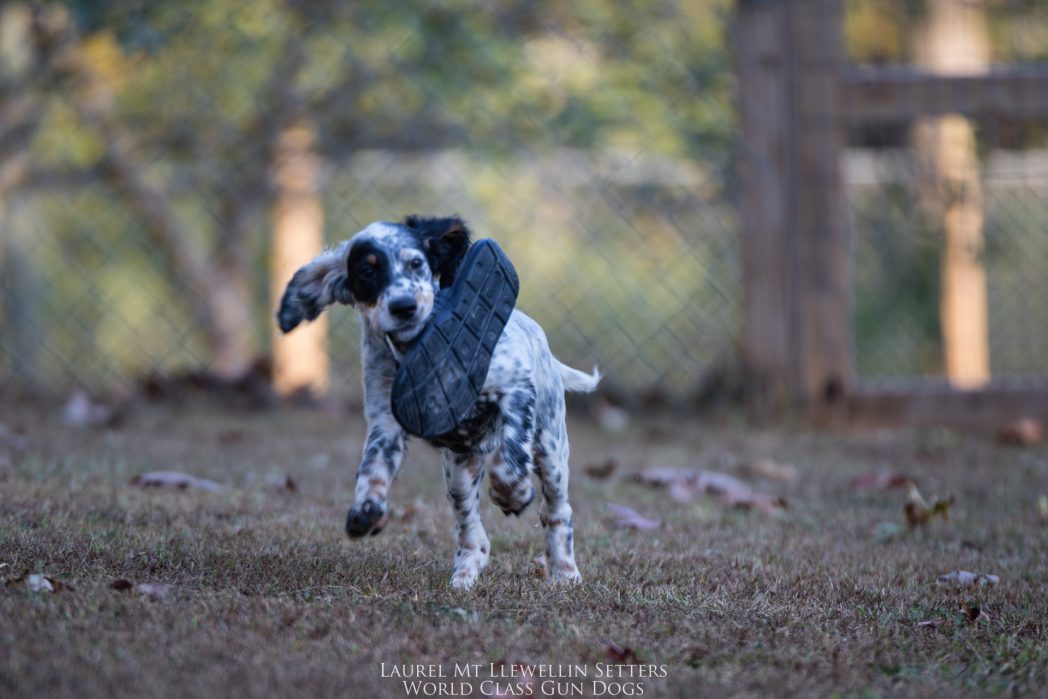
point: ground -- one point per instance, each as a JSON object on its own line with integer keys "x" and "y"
{"x": 269, "y": 598}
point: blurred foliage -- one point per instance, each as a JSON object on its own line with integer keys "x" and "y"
{"x": 496, "y": 76}
{"x": 897, "y": 257}
{"x": 876, "y": 31}
{"x": 897, "y": 250}
{"x": 897, "y": 279}
{"x": 594, "y": 138}
{"x": 531, "y": 119}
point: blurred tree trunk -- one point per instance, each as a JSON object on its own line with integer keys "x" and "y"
{"x": 219, "y": 298}
{"x": 219, "y": 295}
{"x": 300, "y": 359}
{"x": 952, "y": 39}
{"x": 230, "y": 309}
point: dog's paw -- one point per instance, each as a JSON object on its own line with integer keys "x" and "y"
{"x": 292, "y": 310}
{"x": 467, "y": 568}
{"x": 564, "y": 572}
{"x": 369, "y": 517}
{"x": 512, "y": 501}
{"x": 289, "y": 317}
{"x": 463, "y": 579}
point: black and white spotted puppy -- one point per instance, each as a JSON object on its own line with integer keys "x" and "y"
{"x": 389, "y": 272}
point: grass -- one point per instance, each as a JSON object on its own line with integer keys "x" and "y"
{"x": 270, "y": 599}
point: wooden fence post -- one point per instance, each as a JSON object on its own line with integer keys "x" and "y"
{"x": 764, "y": 163}
{"x": 824, "y": 269}
{"x": 797, "y": 287}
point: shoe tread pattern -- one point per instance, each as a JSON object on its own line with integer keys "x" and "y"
{"x": 443, "y": 371}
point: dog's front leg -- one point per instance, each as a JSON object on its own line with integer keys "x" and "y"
{"x": 383, "y": 452}
{"x": 462, "y": 476}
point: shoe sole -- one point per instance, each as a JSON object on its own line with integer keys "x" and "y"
{"x": 443, "y": 372}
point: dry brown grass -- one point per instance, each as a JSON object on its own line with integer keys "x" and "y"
{"x": 270, "y": 599}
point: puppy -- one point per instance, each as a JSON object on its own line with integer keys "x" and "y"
{"x": 389, "y": 272}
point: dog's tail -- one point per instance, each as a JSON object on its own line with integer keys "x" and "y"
{"x": 577, "y": 381}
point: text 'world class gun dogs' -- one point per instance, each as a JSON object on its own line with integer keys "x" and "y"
{"x": 447, "y": 358}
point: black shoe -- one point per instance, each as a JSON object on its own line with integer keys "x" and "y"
{"x": 443, "y": 371}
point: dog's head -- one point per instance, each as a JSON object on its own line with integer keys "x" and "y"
{"x": 388, "y": 271}
{"x": 393, "y": 271}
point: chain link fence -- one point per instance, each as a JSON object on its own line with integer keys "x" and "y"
{"x": 895, "y": 189}
{"x": 898, "y": 255}
{"x": 593, "y": 142}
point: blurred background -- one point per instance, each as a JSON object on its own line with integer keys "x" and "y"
{"x": 164, "y": 168}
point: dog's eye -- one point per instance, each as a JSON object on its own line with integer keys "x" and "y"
{"x": 366, "y": 272}
{"x": 416, "y": 264}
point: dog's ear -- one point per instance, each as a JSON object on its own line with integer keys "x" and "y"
{"x": 319, "y": 284}
{"x": 445, "y": 241}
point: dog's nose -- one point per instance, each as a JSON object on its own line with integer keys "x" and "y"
{"x": 403, "y": 307}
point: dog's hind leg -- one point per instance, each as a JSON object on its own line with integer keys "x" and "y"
{"x": 551, "y": 462}
{"x": 511, "y": 486}
{"x": 462, "y": 476}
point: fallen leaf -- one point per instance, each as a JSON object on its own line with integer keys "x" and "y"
{"x": 881, "y": 480}
{"x": 767, "y": 504}
{"x": 631, "y": 519}
{"x": 771, "y": 470}
{"x": 601, "y": 471}
{"x": 611, "y": 417}
{"x": 973, "y": 613}
{"x": 619, "y": 654}
{"x": 664, "y": 476}
{"x": 964, "y": 578}
{"x": 121, "y": 584}
{"x": 459, "y": 612}
{"x": 38, "y": 582}
{"x": 719, "y": 483}
{"x": 916, "y": 517}
{"x": 1021, "y": 433}
{"x": 80, "y": 411}
{"x": 541, "y": 570}
{"x": 282, "y": 483}
{"x": 175, "y": 479}
{"x": 942, "y": 507}
{"x": 684, "y": 484}
{"x": 156, "y": 592}
{"x": 919, "y": 512}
